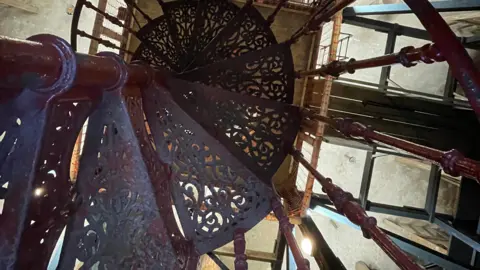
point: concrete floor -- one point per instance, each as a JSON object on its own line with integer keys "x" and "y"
{"x": 343, "y": 165}
{"x": 51, "y": 19}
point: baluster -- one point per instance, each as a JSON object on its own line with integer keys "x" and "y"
{"x": 239, "y": 247}
{"x": 452, "y": 162}
{"x": 117, "y": 22}
{"x": 346, "y": 205}
{"x": 461, "y": 64}
{"x": 102, "y": 41}
{"x": 272, "y": 16}
{"x": 286, "y": 228}
{"x": 321, "y": 15}
{"x": 109, "y": 17}
{"x": 133, "y": 4}
{"x": 407, "y": 56}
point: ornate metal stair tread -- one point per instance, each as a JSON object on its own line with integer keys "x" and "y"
{"x": 207, "y": 180}
{"x": 256, "y": 131}
{"x": 157, "y": 34}
{"x": 119, "y": 219}
{"x": 248, "y": 31}
{"x": 267, "y": 73}
{"x": 215, "y": 15}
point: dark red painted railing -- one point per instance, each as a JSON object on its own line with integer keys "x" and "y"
{"x": 286, "y": 228}
{"x": 452, "y": 162}
{"x": 41, "y": 64}
{"x": 407, "y": 56}
{"x": 460, "y": 62}
{"x": 346, "y": 205}
{"x": 239, "y": 244}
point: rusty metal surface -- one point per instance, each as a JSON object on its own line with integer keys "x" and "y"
{"x": 257, "y": 132}
{"x": 267, "y": 73}
{"x": 213, "y": 192}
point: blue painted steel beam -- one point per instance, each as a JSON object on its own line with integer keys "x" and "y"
{"x": 440, "y": 6}
{"x": 422, "y": 252}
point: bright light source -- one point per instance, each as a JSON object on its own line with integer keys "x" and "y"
{"x": 309, "y": 212}
{"x": 307, "y": 246}
{"x": 38, "y": 191}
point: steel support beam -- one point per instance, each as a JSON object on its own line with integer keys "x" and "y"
{"x": 322, "y": 253}
{"x": 467, "y": 239}
{"x": 420, "y": 251}
{"x": 401, "y": 211}
{"x": 389, "y": 49}
{"x": 366, "y": 178}
{"x": 440, "y": 6}
{"x": 443, "y": 221}
{"x": 280, "y": 245}
{"x": 217, "y": 261}
{"x": 386, "y": 27}
{"x": 450, "y": 86}
{"x": 426, "y": 254}
{"x": 432, "y": 191}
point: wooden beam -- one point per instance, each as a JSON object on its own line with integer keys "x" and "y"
{"x": 97, "y": 27}
{"x": 251, "y": 254}
{"x": 111, "y": 34}
{"x": 395, "y": 228}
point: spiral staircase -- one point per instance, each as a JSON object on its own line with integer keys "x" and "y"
{"x": 181, "y": 143}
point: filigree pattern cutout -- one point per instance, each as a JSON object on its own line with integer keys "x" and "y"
{"x": 184, "y": 250}
{"x": 21, "y": 131}
{"x": 118, "y": 225}
{"x": 182, "y": 15}
{"x": 146, "y": 55}
{"x": 157, "y": 34}
{"x": 257, "y": 131}
{"x": 214, "y": 17}
{"x": 267, "y": 73}
{"x": 52, "y": 196}
{"x": 212, "y": 191}
{"x": 249, "y": 33}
